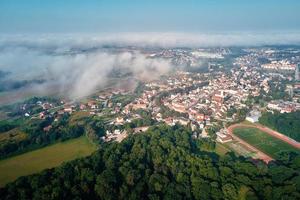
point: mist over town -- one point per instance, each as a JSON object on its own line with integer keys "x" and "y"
{"x": 149, "y": 99}
{"x": 68, "y": 62}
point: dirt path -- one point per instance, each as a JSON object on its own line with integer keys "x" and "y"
{"x": 267, "y": 130}
{"x": 261, "y": 155}
{"x": 280, "y": 136}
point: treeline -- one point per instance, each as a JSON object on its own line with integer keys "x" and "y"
{"x": 6, "y": 126}
{"x": 37, "y": 137}
{"x": 163, "y": 163}
{"x": 285, "y": 123}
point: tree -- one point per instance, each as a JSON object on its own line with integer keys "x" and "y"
{"x": 106, "y": 185}
{"x": 229, "y": 191}
{"x": 162, "y": 163}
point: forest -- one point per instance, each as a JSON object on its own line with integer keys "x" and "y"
{"x": 162, "y": 163}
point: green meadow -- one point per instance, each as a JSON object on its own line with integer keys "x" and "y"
{"x": 264, "y": 142}
{"x": 45, "y": 158}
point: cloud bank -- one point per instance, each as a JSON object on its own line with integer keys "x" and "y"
{"x": 77, "y": 74}
{"x": 152, "y": 39}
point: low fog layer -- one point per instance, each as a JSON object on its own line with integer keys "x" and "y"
{"x": 65, "y": 41}
{"x": 76, "y": 74}
{"x": 76, "y": 65}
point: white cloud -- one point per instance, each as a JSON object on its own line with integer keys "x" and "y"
{"x": 66, "y": 41}
{"x": 81, "y": 72}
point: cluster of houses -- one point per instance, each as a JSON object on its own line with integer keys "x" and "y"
{"x": 116, "y": 135}
{"x": 28, "y": 109}
{"x": 119, "y": 135}
{"x": 281, "y": 65}
{"x": 198, "y": 104}
{"x": 283, "y": 106}
{"x": 222, "y": 93}
{"x": 202, "y": 104}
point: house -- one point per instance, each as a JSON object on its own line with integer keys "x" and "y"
{"x": 159, "y": 117}
{"x": 119, "y": 120}
{"x": 42, "y": 115}
{"x": 182, "y": 121}
{"x": 223, "y": 136}
{"x": 169, "y": 121}
{"x": 92, "y": 104}
{"x": 46, "y": 106}
{"x": 141, "y": 129}
{"x": 200, "y": 117}
{"x": 68, "y": 109}
{"x": 82, "y": 106}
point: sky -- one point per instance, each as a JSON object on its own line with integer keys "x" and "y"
{"x": 106, "y": 16}
{"x": 36, "y": 36}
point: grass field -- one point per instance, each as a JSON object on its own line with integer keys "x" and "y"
{"x": 47, "y": 157}
{"x": 221, "y": 149}
{"x": 240, "y": 149}
{"x": 263, "y": 141}
{"x": 124, "y": 99}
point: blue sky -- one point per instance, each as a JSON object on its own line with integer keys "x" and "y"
{"x": 77, "y": 16}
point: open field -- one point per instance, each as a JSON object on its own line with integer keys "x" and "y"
{"x": 221, "y": 149}
{"x": 124, "y": 99}
{"x": 264, "y": 142}
{"x": 47, "y": 157}
{"x": 241, "y": 149}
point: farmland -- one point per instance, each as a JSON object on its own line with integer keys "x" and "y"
{"x": 48, "y": 157}
{"x": 266, "y": 143}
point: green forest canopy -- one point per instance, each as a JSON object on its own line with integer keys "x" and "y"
{"x": 163, "y": 163}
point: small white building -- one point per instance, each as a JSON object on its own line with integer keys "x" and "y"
{"x": 253, "y": 116}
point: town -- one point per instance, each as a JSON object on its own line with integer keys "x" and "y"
{"x": 207, "y": 102}
{"x": 107, "y": 100}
